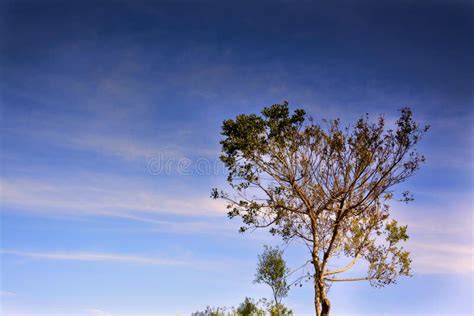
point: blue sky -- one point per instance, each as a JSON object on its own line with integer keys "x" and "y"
{"x": 94, "y": 93}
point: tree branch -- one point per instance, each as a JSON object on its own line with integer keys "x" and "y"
{"x": 347, "y": 280}
{"x": 347, "y": 267}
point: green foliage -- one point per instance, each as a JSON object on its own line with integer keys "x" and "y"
{"x": 272, "y": 270}
{"x": 396, "y": 233}
{"x": 249, "y": 308}
{"x": 211, "y": 311}
{"x": 385, "y": 271}
{"x": 280, "y": 310}
{"x": 275, "y": 309}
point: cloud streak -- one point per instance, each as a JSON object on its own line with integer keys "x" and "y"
{"x": 440, "y": 232}
{"x": 95, "y": 257}
{"x": 97, "y": 312}
{"x": 104, "y": 197}
{"x": 442, "y": 258}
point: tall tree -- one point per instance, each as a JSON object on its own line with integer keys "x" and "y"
{"x": 272, "y": 270}
{"x": 326, "y": 185}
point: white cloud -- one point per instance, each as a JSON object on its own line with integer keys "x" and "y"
{"x": 186, "y": 259}
{"x": 131, "y": 148}
{"x": 100, "y": 196}
{"x": 123, "y": 147}
{"x": 440, "y": 233}
{"x": 94, "y": 257}
{"x": 439, "y": 258}
{"x": 97, "y": 312}
{"x": 7, "y": 293}
{"x": 223, "y": 228}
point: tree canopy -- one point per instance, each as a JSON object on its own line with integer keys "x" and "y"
{"x": 326, "y": 185}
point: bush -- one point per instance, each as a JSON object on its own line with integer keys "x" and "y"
{"x": 248, "y": 308}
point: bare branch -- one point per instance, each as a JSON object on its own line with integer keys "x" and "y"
{"x": 347, "y": 267}
{"x": 347, "y": 280}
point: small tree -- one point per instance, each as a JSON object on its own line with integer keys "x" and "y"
{"x": 327, "y": 186}
{"x": 249, "y": 308}
{"x": 272, "y": 270}
{"x": 211, "y": 311}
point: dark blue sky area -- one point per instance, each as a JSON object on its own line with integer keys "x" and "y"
{"x": 426, "y": 45}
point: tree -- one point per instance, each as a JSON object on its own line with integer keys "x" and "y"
{"x": 327, "y": 186}
{"x": 280, "y": 310}
{"x": 249, "y": 308}
{"x": 272, "y": 270}
{"x": 211, "y": 311}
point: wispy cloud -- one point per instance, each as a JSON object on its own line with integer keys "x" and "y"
{"x": 7, "y": 293}
{"x": 442, "y": 258}
{"x": 185, "y": 260}
{"x": 95, "y": 257}
{"x": 106, "y": 197}
{"x": 222, "y": 228}
{"x": 444, "y": 217}
{"x": 122, "y": 146}
{"x": 97, "y": 312}
{"x": 440, "y": 233}
{"x": 130, "y": 148}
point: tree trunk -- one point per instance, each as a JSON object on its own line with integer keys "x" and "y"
{"x": 325, "y": 307}
{"x": 322, "y": 303}
{"x": 317, "y": 272}
{"x": 277, "y": 304}
{"x": 325, "y": 303}
{"x": 317, "y": 306}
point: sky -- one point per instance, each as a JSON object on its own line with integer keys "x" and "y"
{"x": 110, "y": 120}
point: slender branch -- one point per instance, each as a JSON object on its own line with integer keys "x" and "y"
{"x": 300, "y": 267}
{"x": 347, "y": 267}
{"x": 347, "y": 280}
